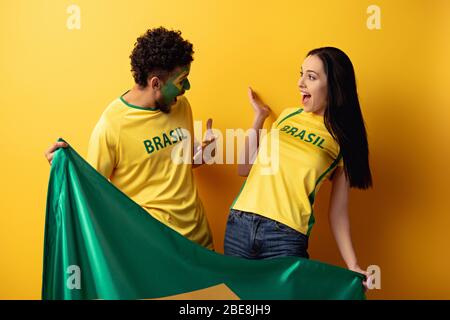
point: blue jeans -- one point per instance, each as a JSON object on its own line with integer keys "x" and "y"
{"x": 252, "y": 236}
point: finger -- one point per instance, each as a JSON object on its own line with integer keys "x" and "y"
{"x": 51, "y": 149}
{"x": 49, "y": 157}
{"x": 256, "y": 99}
{"x": 61, "y": 144}
{"x": 369, "y": 280}
{"x": 366, "y": 286}
{"x": 57, "y": 145}
{"x": 209, "y": 124}
{"x": 251, "y": 93}
{"x": 49, "y": 153}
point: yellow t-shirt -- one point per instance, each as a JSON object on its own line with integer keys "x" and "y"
{"x": 132, "y": 147}
{"x": 307, "y": 155}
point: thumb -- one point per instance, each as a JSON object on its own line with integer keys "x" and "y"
{"x": 209, "y": 124}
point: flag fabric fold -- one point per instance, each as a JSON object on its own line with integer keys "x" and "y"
{"x": 100, "y": 244}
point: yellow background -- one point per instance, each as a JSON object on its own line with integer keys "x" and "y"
{"x": 56, "y": 82}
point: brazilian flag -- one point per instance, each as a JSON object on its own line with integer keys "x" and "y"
{"x": 99, "y": 244}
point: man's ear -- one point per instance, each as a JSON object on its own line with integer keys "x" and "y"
{"x": 154, "y": 83}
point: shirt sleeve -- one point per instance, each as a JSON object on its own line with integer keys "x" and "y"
{"x": 340, "y": 164}
{"x": 102, "y": 148}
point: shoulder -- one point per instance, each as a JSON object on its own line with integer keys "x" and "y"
{"x": 110, "y": 120}
{"x": 115, "y": 110}
{"x": 114, "y": 113}
{"x": 182, "y": 109}
{"x": 287, "y": 113}
{"x": 183, "y": 102}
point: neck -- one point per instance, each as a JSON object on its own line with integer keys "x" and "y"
{"x": 141, "y": 97}
{"x": 320, "y": 112}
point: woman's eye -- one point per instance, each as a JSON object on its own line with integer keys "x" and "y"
{"x": 312, "y": 78}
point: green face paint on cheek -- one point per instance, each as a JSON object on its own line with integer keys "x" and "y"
{"x": 173, "y": 87}
{"x": 170, "y": 92}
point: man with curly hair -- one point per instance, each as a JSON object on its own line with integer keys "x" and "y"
{"x": 133, "y": 142}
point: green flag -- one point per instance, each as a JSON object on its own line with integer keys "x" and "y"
{"x": 100, "y": 244}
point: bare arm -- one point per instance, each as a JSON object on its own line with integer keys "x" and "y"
{"x": 261, "y": 111}
{"x": 339, "y": 220}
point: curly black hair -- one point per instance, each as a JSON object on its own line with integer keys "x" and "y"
{"x": 158, "y": 52}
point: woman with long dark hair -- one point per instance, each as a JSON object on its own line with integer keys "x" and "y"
{"x": 325, "y": 139}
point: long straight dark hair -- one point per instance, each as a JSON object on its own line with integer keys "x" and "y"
{"x": 343, "y": 117}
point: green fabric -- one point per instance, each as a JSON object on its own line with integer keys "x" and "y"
{"x": 124, "y": 253}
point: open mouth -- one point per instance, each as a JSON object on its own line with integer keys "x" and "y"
{"x": 306, "y": 97}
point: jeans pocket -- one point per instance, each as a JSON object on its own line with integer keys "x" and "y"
{"x": 233, "y": 215}
{"x": 284, "y": 228}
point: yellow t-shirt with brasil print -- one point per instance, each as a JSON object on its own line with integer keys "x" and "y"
{"x": 132, "y": 146}
{"x": 307, "y": 156}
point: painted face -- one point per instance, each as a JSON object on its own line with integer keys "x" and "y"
{"x": 313, "y": 85}
{"x": 175, "y": 86}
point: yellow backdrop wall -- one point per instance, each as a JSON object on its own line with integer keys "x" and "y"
{"x": 57, "y": 81}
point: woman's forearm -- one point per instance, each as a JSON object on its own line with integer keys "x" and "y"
{"x": 248, "y": 153}
{"x": 340, "y": 226}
